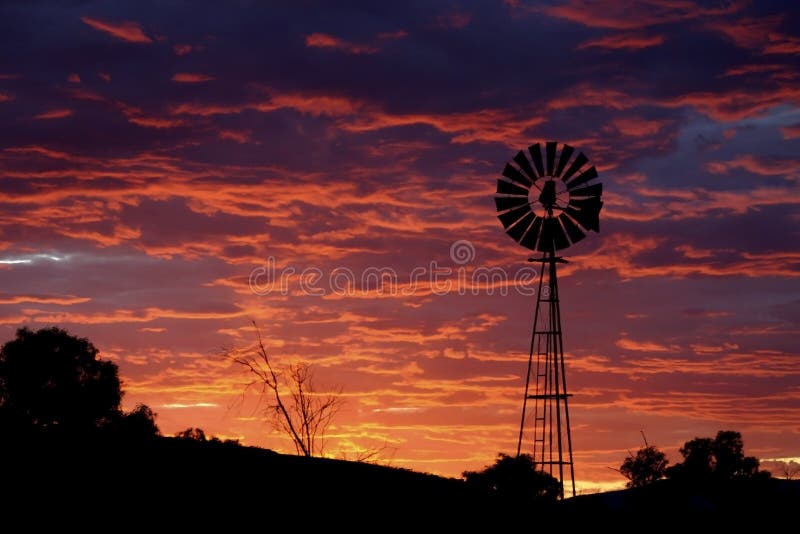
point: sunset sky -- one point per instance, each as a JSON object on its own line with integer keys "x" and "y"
{"x": 157, "y": 158}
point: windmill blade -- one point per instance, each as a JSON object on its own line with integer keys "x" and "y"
{"x": 515, "y": 176}
{"x": 536, "y": 157}
{"x": 590, "y": 191}
{"x": 507, "y": 188}
{"x": 530, "y": 239}
{"x": 588, "y": 216}
{"x": 518, "y": 230}
{"x": 587, "y": 175}
{"x": 553, "y": 236}
{"x": 575, "y": 234}
{"x": 566, "y": 153}
{"x": 579, "y": 162}
{"x": 510, "y": 217}
{"x": 508, "y": 203}
{"x": 593, "y": 203}
{"x": 551, "y": 156}
{"x": 525, "y": 165}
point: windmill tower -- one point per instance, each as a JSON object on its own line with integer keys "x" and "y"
{"x": 546, "y": 205}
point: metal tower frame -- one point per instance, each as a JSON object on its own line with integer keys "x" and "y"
{"x": 552, "y": 437}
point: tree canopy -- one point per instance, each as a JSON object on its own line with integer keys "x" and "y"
{"x": 646, "y": 467}
{"x": 54, "y": 383}
{"x": 718, "y": 458}
{"x": 515, "y": 479}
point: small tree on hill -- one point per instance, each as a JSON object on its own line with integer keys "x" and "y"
{"x": 646, "y": 467}
{"x": 720, "y": 458}
{"x": 514, "y": 479}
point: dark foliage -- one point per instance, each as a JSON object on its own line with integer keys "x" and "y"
{"x": 51, "y": 381}
{"x": 713, "y": 460}
{"x": 646, "y": 467}
{"x": 514, "y": 480}
{"x": 54, "y": 386}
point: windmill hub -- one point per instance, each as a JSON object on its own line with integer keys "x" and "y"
{"x": 549, "y": 201}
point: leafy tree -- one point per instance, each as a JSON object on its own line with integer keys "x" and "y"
{"x": 646, "y": 467}
{"x": 52, "y": 381}
{"x": 720, "y": 458}
{"x": 138, "y": 423}
{"x": 515, "y": 479}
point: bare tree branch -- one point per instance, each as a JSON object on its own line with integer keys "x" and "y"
{"x": 304, "y": 415}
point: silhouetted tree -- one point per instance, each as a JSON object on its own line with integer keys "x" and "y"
{"x": 514, "y": 479}
{"x": 296, "y": 408}
{"x": 720, "y": 458}
{"x": 138, "y": 423}
{"x": 646, "y": 467}
{"x": 195, "y": 434}
{"x": 54, "y": 382}
{"x": 790, "y": 469}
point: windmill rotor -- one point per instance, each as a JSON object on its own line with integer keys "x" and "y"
{"x": 549, "y": 201}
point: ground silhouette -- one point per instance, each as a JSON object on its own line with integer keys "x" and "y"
{"x": 70, "y": 458}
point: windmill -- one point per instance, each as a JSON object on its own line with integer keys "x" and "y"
{"x": 547, "y": 204}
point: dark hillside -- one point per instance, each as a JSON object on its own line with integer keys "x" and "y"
{"x": 187, "y": 484}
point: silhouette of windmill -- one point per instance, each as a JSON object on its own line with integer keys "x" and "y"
{"x": 547, "y": 204}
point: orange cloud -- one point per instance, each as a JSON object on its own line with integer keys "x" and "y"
{"x": 125, "y": 31}
{"x": 74, "y": 78}
{"x": 54, "y": 114}
{"x": 5, "y": 97}
{"x": 145, "y": 315}
{"x": 324, "y": 40}
{"x": 631, "y": 41}
{"x": 61, "y": 301}
{"x": 643, "y": 346}
{"x": 191, "y": 77}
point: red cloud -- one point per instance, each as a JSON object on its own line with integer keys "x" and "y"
{"x": 191, "y": 77}
{"x": 630, "y": 15}
{"x": 453, "y": 20}
{"x": 399, "y": 34}
{"x": 182, "y": 49}
{"x": 761, "y": 34}
{"x": 126, "y": 31}
{"x": 324, "y": 40}
{"x": 54, "y": 114}
{"x": 764, "y": 166}
{"x": 239, "y": 136}
{"x": 635, "y": 41}
{"x": 790, "y": 132}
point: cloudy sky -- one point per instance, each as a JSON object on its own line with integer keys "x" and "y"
{"x": 170, "y": 172}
